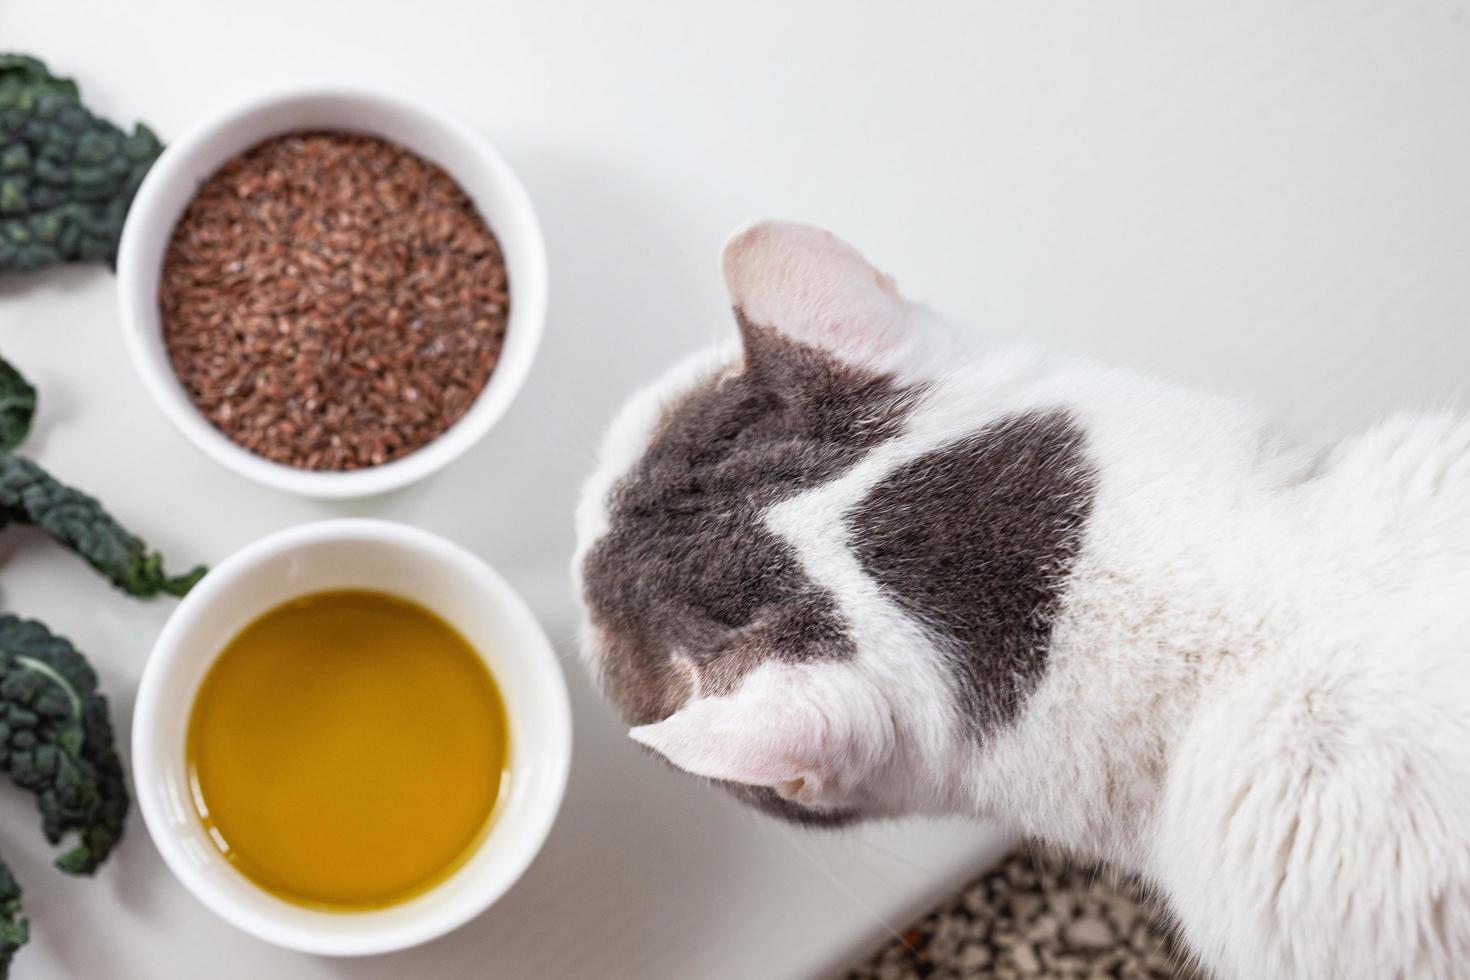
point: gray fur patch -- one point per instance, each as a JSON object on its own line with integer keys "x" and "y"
{"x": 976, "y": 540}
{"x": 767, "y": 799}
{"x": 687, "y": 565}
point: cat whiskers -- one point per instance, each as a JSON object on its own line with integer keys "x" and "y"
{"x": 792, "y": 837}
{"x": 587, "y": 457}
{"x": 906, "y": 863}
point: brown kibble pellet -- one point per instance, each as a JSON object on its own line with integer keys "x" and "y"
{"x": 332, "y": 301}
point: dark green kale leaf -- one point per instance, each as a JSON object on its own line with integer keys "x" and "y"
{"x": 56, "y": 741}
{"x": 14, "y": 931}
{"x": 30, "y": 495}
{"x": 66, "y": 176}
{"x": 17, "y": 405}
{"x": 32, "y": 75}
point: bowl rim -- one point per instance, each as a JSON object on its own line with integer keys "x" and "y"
{"x": 170, "y": 655}
{"x": 135, "y": 266}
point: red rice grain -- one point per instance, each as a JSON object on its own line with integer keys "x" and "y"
{"x": 332, "y": 301}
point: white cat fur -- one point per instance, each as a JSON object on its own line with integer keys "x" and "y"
{"x": 1258, "y": 687}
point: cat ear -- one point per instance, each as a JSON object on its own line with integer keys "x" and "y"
{"x": 759, "y": 735}
{"x": 811, "y": 287}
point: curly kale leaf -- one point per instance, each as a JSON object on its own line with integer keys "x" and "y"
{"x": 31, "y": 74}
{"x": 14, "y": 930}
{"x": 17, "y": 405}
{"x": 30, "y": 495}
{"x": 66, "y": 176}
{"x": 56, "y": 741}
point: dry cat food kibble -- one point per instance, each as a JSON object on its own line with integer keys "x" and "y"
{"x": 332, "y": 301}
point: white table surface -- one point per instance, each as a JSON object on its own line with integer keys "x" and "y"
{"x": 1264, "y": 197}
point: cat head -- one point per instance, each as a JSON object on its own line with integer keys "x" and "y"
{"x": 703, "y": 626}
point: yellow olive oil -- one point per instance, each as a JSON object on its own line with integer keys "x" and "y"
{"x": 347, "y": 750}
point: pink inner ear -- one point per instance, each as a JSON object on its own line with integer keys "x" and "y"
{"x": 748, "y": 740}
{"x": 815, "y": 289}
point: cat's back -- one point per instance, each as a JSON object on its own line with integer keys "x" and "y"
{"x": 1321, "y": 803}
{"x": 1319, "y": 799}
{"x": 1406, "y": 479}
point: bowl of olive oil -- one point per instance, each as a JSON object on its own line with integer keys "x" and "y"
{"x": 350, "y": 738}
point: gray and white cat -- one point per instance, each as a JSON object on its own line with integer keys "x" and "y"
{"x": 849, "y": 569}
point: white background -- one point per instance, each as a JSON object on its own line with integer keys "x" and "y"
{"x": 1272, "y": 198}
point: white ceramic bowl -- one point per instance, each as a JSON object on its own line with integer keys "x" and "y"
{"x": 484, "y": 175}
{"x": 345, "y": 554}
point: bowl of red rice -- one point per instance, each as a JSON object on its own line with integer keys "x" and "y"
{"x": 332, "y": 292}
